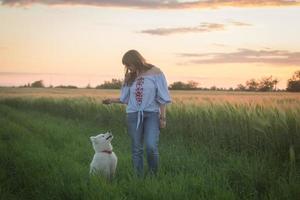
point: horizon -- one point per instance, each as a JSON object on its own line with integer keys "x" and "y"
{"x": 82, "y": 81}
{"x": 220, "y": 44}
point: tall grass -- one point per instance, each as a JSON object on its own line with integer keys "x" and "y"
{"x": 213, "y": 150}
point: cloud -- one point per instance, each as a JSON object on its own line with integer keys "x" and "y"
{"x": 157, "y": 4}
{"x": 202, "y": 28}
{"x": 236, "y": 23}
{"x": 275, "y": 57}
{"x": 219, "y": 45}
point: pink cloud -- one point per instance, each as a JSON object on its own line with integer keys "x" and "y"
{"x": 275, "y": 57}
{"x": 202, "y": 28}
{"x": 156, "y": 4}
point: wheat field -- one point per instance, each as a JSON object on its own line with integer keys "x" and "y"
{"x": 217, "y": 145}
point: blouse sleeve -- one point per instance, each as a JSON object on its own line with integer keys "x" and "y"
{"x": 162, "y": 95}
{"x": 124, "y": 96}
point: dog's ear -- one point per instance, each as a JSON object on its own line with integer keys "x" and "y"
{"x": 92, "y": 138}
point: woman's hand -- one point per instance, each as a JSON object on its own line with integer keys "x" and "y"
{"x": 111, "y": 100}
{"x": 106, "y": 101}
{"x": 162, "y": 123}
{"x": 162, "y": 116}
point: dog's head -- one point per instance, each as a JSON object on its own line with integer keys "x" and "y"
{"x": 102, "y": 141}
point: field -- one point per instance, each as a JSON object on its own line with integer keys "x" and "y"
{"x": 217, "y": 145}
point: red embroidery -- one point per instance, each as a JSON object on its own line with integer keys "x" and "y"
{"x": 139, "y": 90}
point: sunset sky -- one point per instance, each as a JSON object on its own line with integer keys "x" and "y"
{"x": 76, "y": 42}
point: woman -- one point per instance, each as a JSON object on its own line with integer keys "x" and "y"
{"x": 146, "y": 94}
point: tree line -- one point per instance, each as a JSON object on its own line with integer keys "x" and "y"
{"x": 264, "y": 84}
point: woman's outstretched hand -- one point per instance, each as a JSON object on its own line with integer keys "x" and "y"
{"x": 106, "y": 101}
{"x": 162, "y": 123}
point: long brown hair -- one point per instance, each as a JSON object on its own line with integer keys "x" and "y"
{"x": 135, "y": 59}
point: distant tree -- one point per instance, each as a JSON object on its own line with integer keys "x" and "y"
{"x": 178, "y": 85}
{"x": 24, "y": 86}
{"x": 275, "y": 81}
{"x": 293, "y": 84}
{"x": 213, "y": 88}
{"x": 240, "y": 87}
{"x": 38, "y": 84}
{"x": 252, "y": 85}
{"x": 88, "y": 86}
{"x": 263, "y": 85}
{"x": 113, "y": 84}
{"x": 192, "y": 84}
{"x": 267, "y": 84}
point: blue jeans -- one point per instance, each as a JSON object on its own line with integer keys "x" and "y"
{"x": 148, "y": 131}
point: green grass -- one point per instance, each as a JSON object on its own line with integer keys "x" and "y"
{"x": 208, "y": 151}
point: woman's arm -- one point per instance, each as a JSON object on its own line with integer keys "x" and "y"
{"x": 115, "y": 100}
{"x": 162, "y": 116}
{"x": 111, "y": 100}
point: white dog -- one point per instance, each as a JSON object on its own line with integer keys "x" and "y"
{"x": 105, "y": 160}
